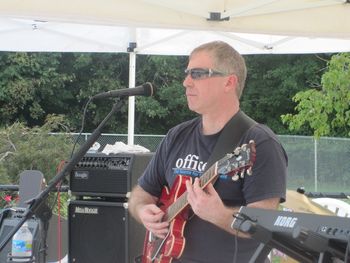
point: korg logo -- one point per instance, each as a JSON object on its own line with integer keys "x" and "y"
{"x": 86, "y": 210}
{"x": 285, "y": 221}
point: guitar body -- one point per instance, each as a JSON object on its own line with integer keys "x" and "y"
{"x": 176, "y": 208}
{"x": 158, "y": 250}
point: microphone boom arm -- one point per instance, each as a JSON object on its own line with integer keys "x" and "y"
{"x": 39, "y": 200}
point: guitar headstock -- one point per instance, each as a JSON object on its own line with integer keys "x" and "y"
{"x": 239, "y": 162}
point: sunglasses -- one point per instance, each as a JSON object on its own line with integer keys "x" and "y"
{"x": 201, "y": 73}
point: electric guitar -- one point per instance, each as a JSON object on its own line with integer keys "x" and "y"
{"x": 174, "y": 204}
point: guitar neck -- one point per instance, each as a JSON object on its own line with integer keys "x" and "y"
{"x": 181, "y": 202}
{"x": 240, "y": 160}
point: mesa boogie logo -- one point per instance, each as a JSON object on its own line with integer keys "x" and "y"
{"x": 81, "y": 175}
{"x": 285, "y": 221}
{"x": 86, "y": 210}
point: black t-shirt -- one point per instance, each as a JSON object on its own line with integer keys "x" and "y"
{"x": 185, "y": 151}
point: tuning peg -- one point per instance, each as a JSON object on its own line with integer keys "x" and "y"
{"x": 242, "y": 173}
{"x": 237, "y": 151}
{"x": 229, "y": 155}
{"x": 235, "y": 177}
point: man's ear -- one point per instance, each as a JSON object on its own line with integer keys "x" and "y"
{"x": 232, "y": 82}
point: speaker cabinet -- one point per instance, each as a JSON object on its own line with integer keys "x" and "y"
{"x": 113, "y": 175}
{"x": 102, "y": 232}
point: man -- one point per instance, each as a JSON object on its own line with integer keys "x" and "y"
{"x": 214, "y": 82}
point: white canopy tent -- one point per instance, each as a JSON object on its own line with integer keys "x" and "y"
{"x": 33, "y": 35}
{"x": 311, "y": 18}
{"x": 174, "y": 27}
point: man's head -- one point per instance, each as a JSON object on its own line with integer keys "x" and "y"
{"x": 226, "y": 60}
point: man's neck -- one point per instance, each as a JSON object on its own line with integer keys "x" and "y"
{"x": 213, "y": 123}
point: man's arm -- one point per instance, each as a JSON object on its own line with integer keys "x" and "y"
{"x": 226, "y": 221}
{"x": 208, "y": 206}
{"x": 142, "y": 206}
{"x": 138, "y": 199}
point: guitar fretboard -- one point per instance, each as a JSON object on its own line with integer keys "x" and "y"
{"x": 181, "y": 202}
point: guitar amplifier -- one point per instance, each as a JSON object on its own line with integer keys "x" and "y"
{"x": 112, "y": 175}
{"x": 103, "y": 232}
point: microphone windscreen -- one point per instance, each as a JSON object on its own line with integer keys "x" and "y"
{"x": 148, "y": 89}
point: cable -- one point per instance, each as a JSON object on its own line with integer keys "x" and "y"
{"x": 58, "y": 200}
{"x": 59, "y": 184}
{"x": 242, "y": 218}
{"x": 61, "y": 164}
{"x": 82, "y": 125}
{"x": 59, "y": 236}
{"x": 235, "y": 251}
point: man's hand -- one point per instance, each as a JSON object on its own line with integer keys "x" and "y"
{"x": 143, "y": 208}
{"x": 151, "y": 217}
{"x": 206, "y": 202}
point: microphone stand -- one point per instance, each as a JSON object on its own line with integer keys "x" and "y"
{"x": 36, "y": 203}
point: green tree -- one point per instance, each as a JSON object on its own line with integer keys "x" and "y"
{"x": 95, "y": 73}
{"x": 35, "y": 85}
{"x": 168, "y": 107}
{"x": 273, "y": 80}
{"x": 23, "y": 148}
{"x": 326, "y": 109}
{"x": 30, "y": 84}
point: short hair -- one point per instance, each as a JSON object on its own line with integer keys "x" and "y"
{"x": 227, "y": 60}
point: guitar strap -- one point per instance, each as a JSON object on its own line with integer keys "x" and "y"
{"x": 230, "y": 136}
{"x": 227, "y": 141}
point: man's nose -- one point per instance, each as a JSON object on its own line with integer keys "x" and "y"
{"x": 187, "y": 81}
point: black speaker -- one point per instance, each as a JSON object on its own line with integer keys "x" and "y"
{"x": 102, "y": 232}
{"x": 8, "y": 224}
{"x": 113, "y": 175}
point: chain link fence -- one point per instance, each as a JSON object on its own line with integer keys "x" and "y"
{"x": 320, "y": 165}
{"x": 150, "y": 142}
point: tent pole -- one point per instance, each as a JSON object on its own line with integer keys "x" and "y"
{"x": 131, "y": 110}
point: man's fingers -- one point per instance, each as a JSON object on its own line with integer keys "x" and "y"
{"x": 210, "y": 189}
{"x": 196, "y": 185}
{"x": 158, "y": 229}
{"x": 189, "y": 189}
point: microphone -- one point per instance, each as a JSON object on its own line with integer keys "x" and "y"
{"x": 145, "y": 89}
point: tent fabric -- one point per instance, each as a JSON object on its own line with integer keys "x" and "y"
{"x": 310, "y": 18}
{"x": 175, "y": 27}
{"x": 42, "y": 36}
